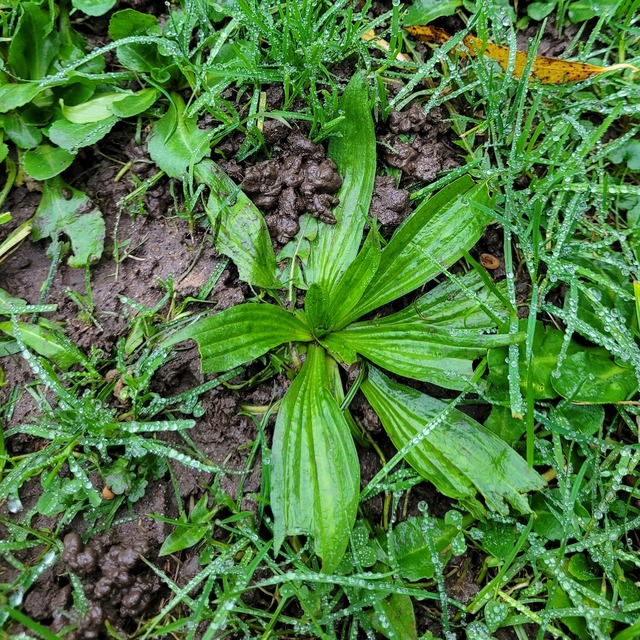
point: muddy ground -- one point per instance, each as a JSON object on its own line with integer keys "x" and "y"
{"x": 292, "y": 175}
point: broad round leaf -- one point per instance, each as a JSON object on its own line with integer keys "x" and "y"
{"x": 45, "y": 161}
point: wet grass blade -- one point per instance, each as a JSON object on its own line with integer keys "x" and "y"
{"x": 33, "y": 626}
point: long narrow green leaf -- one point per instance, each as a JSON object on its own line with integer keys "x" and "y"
{"x": 457, "y": 454}
{"x": 315, "y": 474}
{"x": 240, "y": 334}
{"x": 353, "y": 282}
{"x": 242, "y": 231}
{"x": 434, "y": 236}
{"x": 354, "y": 151}
{"x": 421, "y": 351}
{"x": 315, "y": 308}
{"x": 35, "y": 43}
{"x": 463, "y": 304}
{"x": 47, "y": 340}
{"x": 11, "y": 306}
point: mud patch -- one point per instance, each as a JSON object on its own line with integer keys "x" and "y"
{"x": 418, "y": 143}
{"x": 147, "y": 255}
{"x": 389, "y": 205}
{"x": 117, "y": 586}
{"x": 297, "y": 179}
{"x": 553, "y": 43}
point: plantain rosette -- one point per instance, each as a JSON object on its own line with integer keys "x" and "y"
{"x": 315, "y": 475}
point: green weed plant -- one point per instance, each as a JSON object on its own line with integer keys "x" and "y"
{"x": 314, "y": 466}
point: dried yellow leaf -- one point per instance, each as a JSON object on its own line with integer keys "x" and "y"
{"x": 429, "y": 34}
{"x": 383, "y": 44}
{"x": 547, "y": 70}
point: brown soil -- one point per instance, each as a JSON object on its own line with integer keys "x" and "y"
{"x": 298, "y": 178}
{"x": 418, "y": 143}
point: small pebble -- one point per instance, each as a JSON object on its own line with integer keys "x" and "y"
{"x": 489, "y": 261}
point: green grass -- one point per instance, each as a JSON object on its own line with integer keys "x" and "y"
{"x": 562, "y": 165}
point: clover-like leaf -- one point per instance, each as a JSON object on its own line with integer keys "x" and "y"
{"x": 46, "y": 162}
{"x": 66, "y": 211}
{"x": 176, "y": 141}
